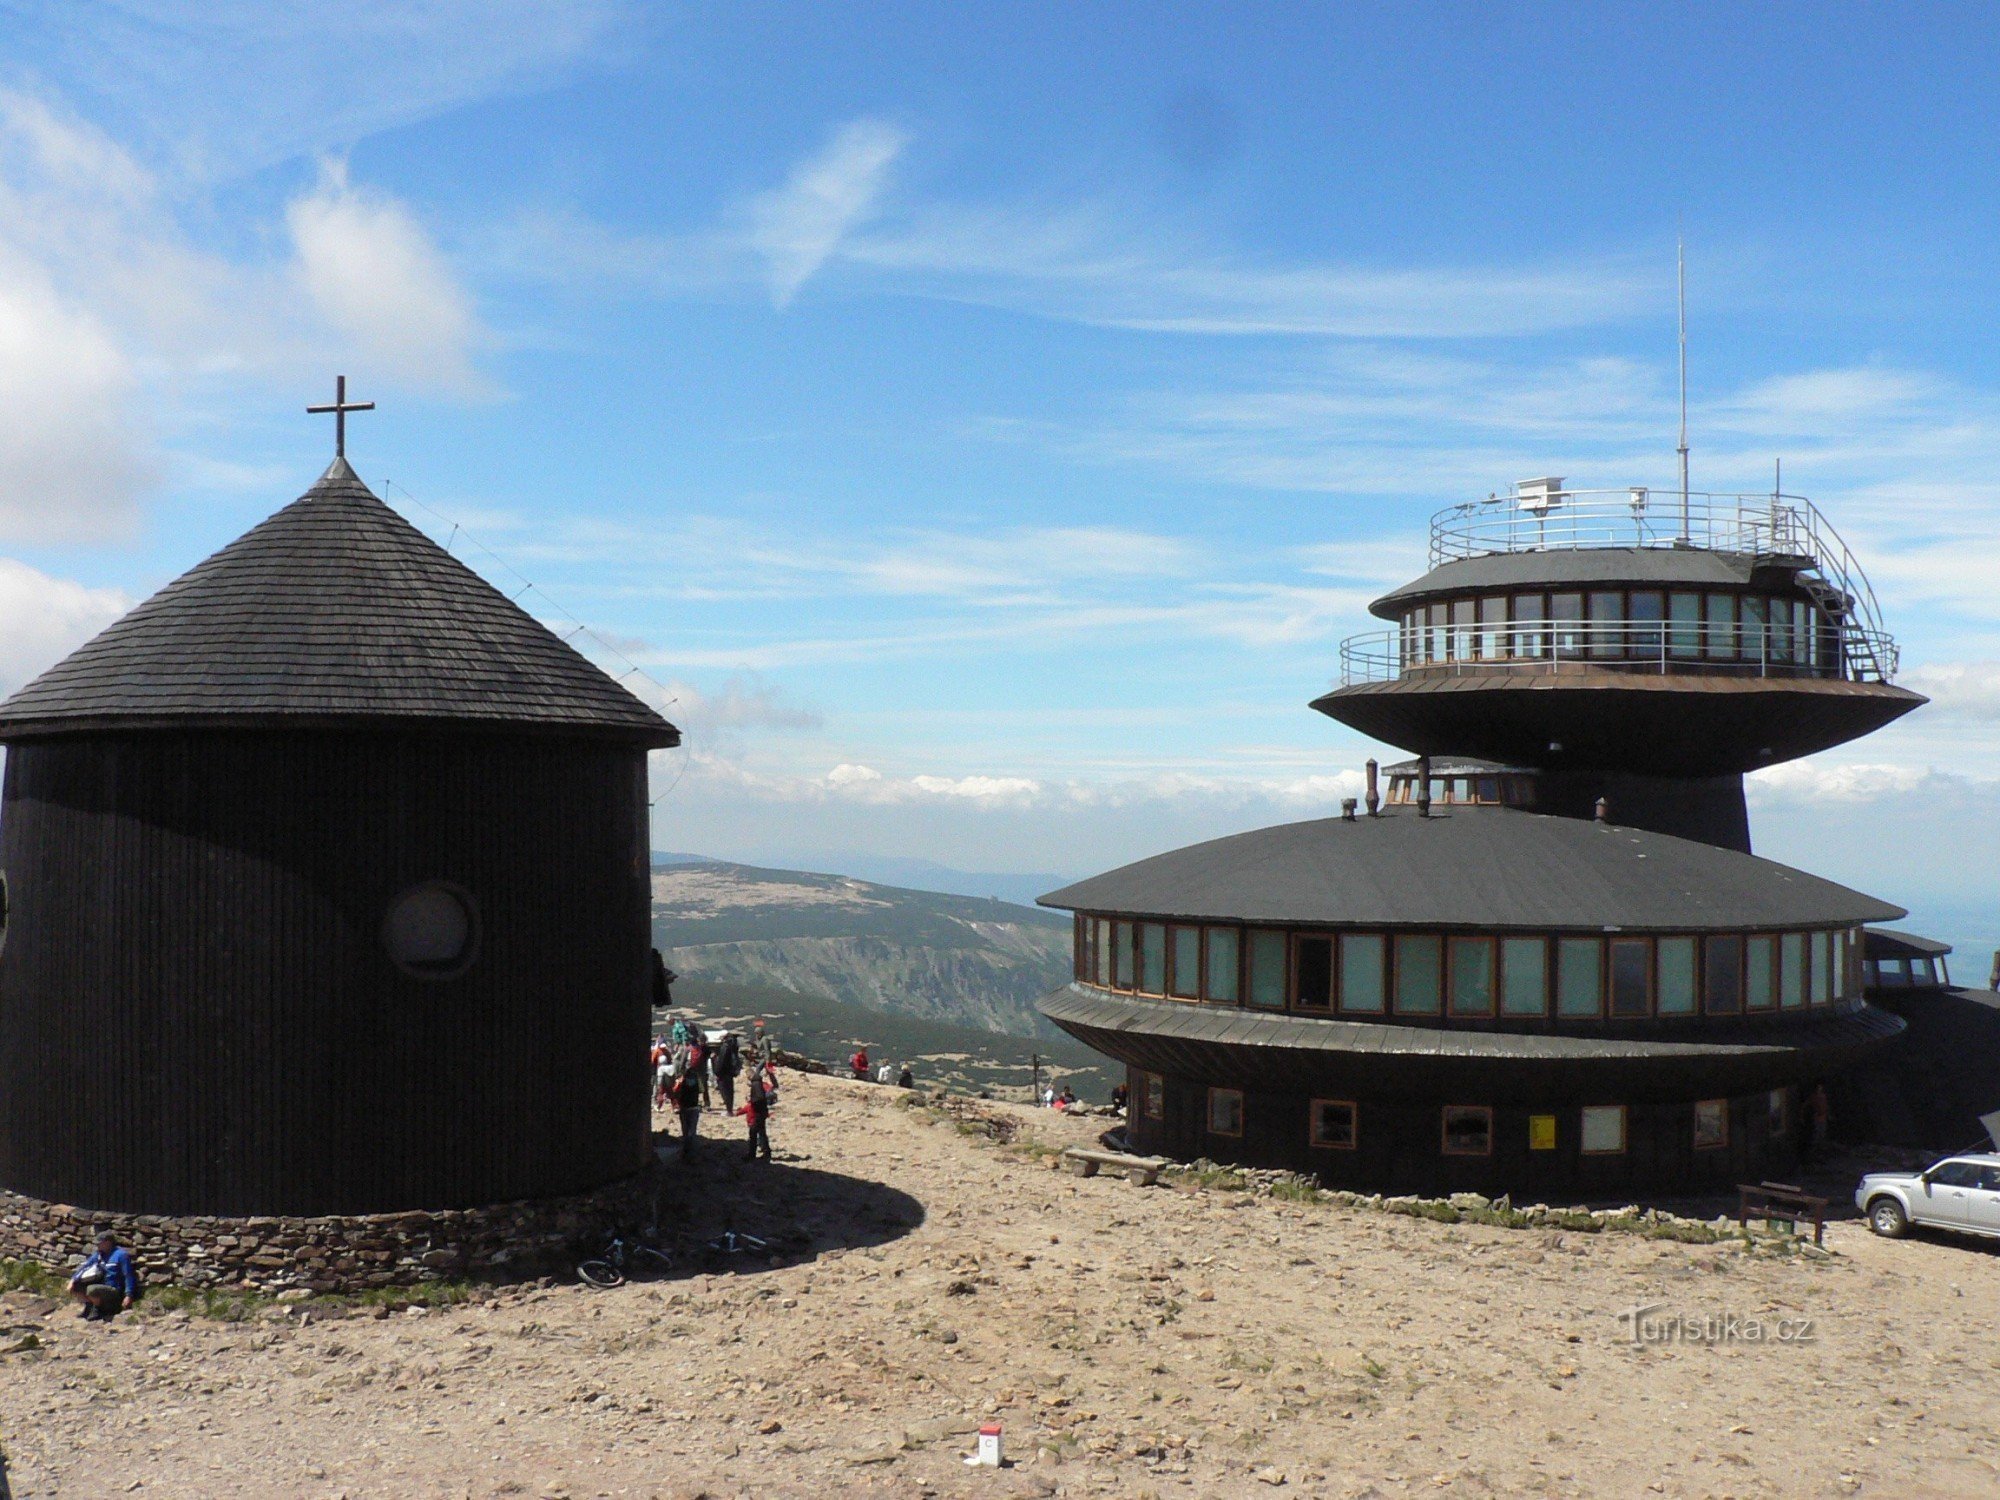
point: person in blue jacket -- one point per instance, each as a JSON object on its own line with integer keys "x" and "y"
{"x": 108, "y": 1282}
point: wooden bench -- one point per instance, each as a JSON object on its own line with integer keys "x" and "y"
{"x": 1781, "y": 1201}
{"x": 1081, "y": 1161}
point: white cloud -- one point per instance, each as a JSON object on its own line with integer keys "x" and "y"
{"x": 374, "y": 274}
{"x": 796, "y": 227}
{"x": 1967, "y": 689}
{"x": 1815, "y": 781}
{"x": 43, "y": 619}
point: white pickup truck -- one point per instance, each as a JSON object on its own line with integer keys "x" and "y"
{"x": 1960, "y": 1192}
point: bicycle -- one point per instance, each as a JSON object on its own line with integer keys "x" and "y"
{"x": 624, "y": 1260}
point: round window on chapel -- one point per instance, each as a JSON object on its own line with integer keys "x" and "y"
{"x": 432, "y": 930}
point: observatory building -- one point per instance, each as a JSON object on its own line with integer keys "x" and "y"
{"x": 325, "y": 898}
{"x": 1546, "y": 960}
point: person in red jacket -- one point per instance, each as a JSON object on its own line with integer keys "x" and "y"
{"x": 757, "y": 1114}
{"x": 859, "y": 1062}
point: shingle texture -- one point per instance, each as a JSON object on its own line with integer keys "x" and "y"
{"x": 1476, "y": 867}
{"x": 336, "y": 610}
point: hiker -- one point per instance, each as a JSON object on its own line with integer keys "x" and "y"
{"x": 1119, "y": 1094}
{"x": 757, "y": 1113}
{"x": 1065, "y": 1099}
{"x": 687, "y": 1101}
{"x": 725, "y": 1063}
{"x": 906, "y": 1079}
{"x": 764, "y": 1048}
{"x": 697, "y": 1061}
{"x": 683, "y": 1033}
{"x": 884, "y": 1073}
{"x": 859, "y": 1063}
{"x": 663, "y": 1077}
{"x": 107, "y": 1283}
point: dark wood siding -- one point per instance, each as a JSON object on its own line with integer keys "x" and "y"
{"x": 197, "y": 1014}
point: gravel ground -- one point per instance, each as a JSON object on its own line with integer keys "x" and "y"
{"x": 1131, "y": 1341}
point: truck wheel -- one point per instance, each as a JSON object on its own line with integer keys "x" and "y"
{"x": 1886, "y": 1218}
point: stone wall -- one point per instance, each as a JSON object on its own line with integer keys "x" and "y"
{"x": 504, "y": 1242}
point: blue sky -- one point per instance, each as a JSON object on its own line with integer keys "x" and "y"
{"x": 984, "y": 423}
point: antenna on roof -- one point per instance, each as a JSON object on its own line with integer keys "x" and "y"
{"x": 1680, "y": 262}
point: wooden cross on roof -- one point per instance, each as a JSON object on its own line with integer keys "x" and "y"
{"x": 340, "y": 408}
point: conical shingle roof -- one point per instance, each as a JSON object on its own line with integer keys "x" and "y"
{"x": 336, "y": 611}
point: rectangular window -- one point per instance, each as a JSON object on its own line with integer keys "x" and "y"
{"x": 1711, "y": 1124}
{"x": 1419, "y": 973}
{"x": 1579, "y": 977}
{"x": 1225, "y": 1112}
{"x": 1684, "y": 624}
{"x": 1524, "y": 977}
{"x": 1333, "y": 1124}
{"x": 1722, "y": 627}
{"x": 1675, "y": 993}
{"x": 1152, "y": 958}
{"x": 1777, "y": 1116}
{"x": 1529, "y": 637}
{"x": 1121, "y": 947}
{"x": 1760, "y": 955}
{"x": 1267, "y": 970}
{"x": 1722, "y": 975}
{"x": 1603, "y": 1130}
{"x": 1440, "y": 616}
{"x": 1152, "y": 1096}
{"x": 1361, "y": 965}
{"x": 1607, "y": 624}
{"x": 1792, "y": 969}
{"x": 1468, "y": 1130}
{"x": 1493, "y": 628}
{"x": 1220, "y": 980}
{"x": 1805, "y": 634}
{"x": 1647, "y": 610}
{"x": 1472, "y": 976}
{"x": 1781, "y": 632}
{"x": 1312, "y": 973}
{"x": 1463, "y": 613}
{"x": 1080, "y": 948}
{"x": 1541, "y": 1132}
{"x": 1631, "y": 977}
{"x": 1100, "y": 950}
{"x": 1566, "y": 622}
{"x": 1841, "y": 982}
{"x": 1822, "y": 967}
{"x": 1185, "y": 981}
{"x": 1753, "y": 635}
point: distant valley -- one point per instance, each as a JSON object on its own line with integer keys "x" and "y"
{"x": 959, "y": 960}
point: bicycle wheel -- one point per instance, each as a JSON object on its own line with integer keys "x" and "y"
{"x": 650, "y": 1264}
{"x": 600, "y": 1274}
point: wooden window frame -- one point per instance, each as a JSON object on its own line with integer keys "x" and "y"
{"x": 1139, "y": 960}
{"x": 1693, "y": 1008}
{"x": 1785, "y": 968}
{"x": 1148, "y": 1084}
{"x": 1742, "y": 942}
{"x": 1716, "y": 1145}
{"x": 1292, "y": 970}
{"x": 1770, "y": 1004}
{"x": 1444, "y": 1128}
{"x": 1246, "y": 969}
{"x": 1624, "y": 1130}
{"x": 1206, "y": 998}
{"x": 1313, "y": 1140}
{"x": 1382, "y": 966}
{"x": 1453, "y": 942}
{"x": 1130, "y": 949}
{"x": 1396, "y": 974}
{"x": 1501, "y": 940}
{"x": 1173, "y": 962}
{"x": 1208, "y": 1114}
{"x": 1611, "y": 1012}
{"x": 1081, "y": 968}
{"x": 1603, "y": 977}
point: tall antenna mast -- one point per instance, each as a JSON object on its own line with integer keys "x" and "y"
{"x": 1680, "y": 258}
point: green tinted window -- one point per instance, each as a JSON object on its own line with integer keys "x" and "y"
{"x": 1419, "y": 974}
{"x": 1361, "y": 955}
{"x": 1267, "y": 970}
{"x": 1524, "y": 977}
{"x": 1676, "y": 992}
{"x": 1579, "y": 977}
{"x": 1221, "y": 979}
{"x": 1152, "y": 958}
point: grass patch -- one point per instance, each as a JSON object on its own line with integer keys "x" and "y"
{"x": 1222, "y": 1179}
{"x": 26, "y": 1276}
{"x": 1296, "y": 1190}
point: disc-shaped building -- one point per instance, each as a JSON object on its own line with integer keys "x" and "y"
{"x": 326, "y": 894}
{"x": 1546, "y": 959}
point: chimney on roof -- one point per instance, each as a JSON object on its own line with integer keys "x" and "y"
{"x": 1604, "y": 809}
{"x": 1423, "y": 786}
{"x": 1347, "y": 806}
{"x": 1374, "y": 789}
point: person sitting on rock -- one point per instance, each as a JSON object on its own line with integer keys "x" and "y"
{"x": 107, "y": 1283}
{"x": 859, "y": 1063}
{"x": 906, "y": 1079}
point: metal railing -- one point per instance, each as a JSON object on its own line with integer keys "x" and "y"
{"x": 1791, "y": 528}
{"x": 1664, "y": 647}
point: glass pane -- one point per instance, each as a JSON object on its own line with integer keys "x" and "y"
{"x": 1579, "y": 977}
{"x": 1468, "y": 1130}
{"x": 1646, "y": 610}
{"x": 1472, "y": 976}
{"x": 1603, "y": 1129}
{"x": 1524, "y": 977}
{"x": 1822, "y": 967}
{"x": 1722, "y": 626}
{"x": 1332, "y": 1124}
{"x": 1722, "y": 975}
{"x": 1221, "y": 976}
{"x": 1684, "y": 634}
{"x": 1187, "y": 962}
{"x": 1152, "y": 958}
{"x": 1419, "y": 976}
{"x": 1101, "y": 950}
{"x": 1676, "y": 978}
{"x": 1566, "y": 610}
{"x": 1361, "y": 956}
{"x": 1607, "y": 620}
{"x": 1631, "y": 979}
{"x": 1792, "y": 965}
{"x": 1527, "y": 625}
{"x": 1492, "y": 632}
{"x": 1753, "y": 635}
{"x": 1440, "y": 613}
{"x": 1121, "y": 944}
{"x": 1462, "y": 613}
{"x": 1312, "y": 986}
{"x": 1759, "y": 955}
{"x": 1781, "y": 632}
{"x": 1225, "y": 1112}
{"x": 1267, "y": 970}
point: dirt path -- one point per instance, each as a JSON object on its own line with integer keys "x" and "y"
{"x": 1131, "y": 1341}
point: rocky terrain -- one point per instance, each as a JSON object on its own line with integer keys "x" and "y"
{"x": 962, "y": 960}
{"x": 927, "y": 1270}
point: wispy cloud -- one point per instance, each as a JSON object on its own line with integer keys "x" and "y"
{"x": 797, "y": 227}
